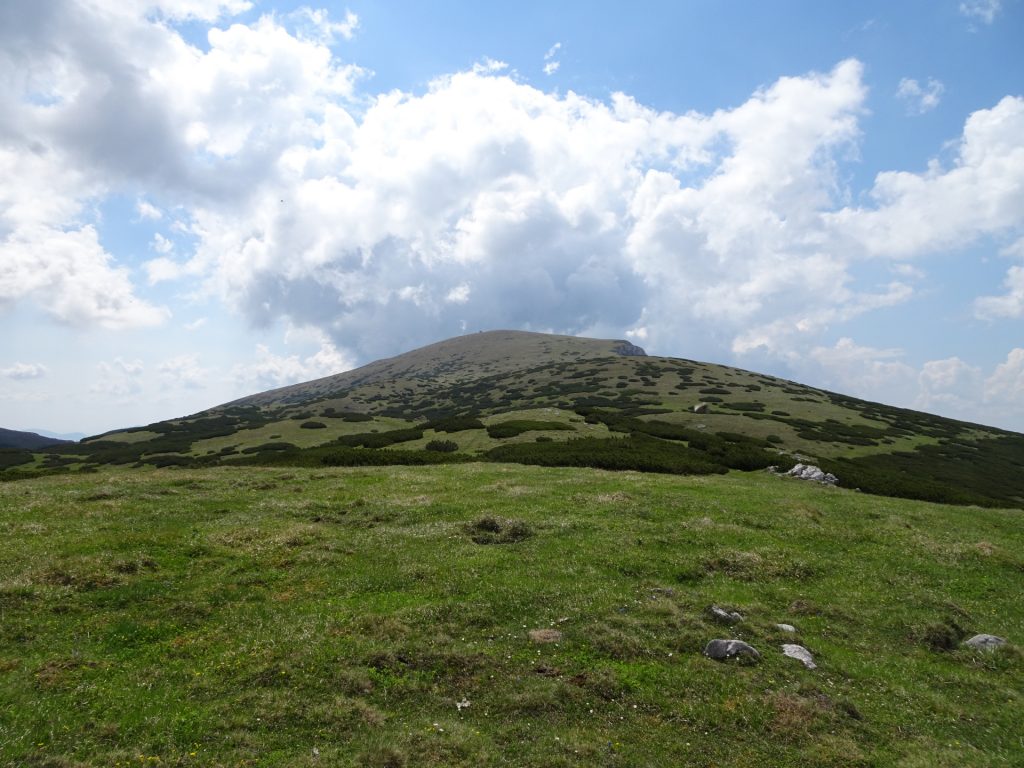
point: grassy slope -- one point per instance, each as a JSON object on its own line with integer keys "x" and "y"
{"x": 235, "y": 616}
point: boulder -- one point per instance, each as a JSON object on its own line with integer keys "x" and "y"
{"x": 799, "y": 653}
{"x": 724, "y": 616}
{"x": 721, "y": 650}
{"x": 700, "y": 408}
{"x": 813, "y": 473}
{"x": 786, "y": 627}
{"x": 984, "y": 642}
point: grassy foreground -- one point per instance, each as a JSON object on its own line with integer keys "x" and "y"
{"x": 382, "y": 617}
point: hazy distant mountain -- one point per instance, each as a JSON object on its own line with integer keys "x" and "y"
{"x": 72, "y": 436}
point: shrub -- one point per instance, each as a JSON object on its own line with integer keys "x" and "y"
{"x": 312, "y": 425}
{"x": 513, "y": 428}
{"x": 443, "y": 446}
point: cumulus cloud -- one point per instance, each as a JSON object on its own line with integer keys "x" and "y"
{"x": 981, "y": 10}
{"x": 920, "y": 99}
{"x": 950, "y": 386}
{"x": 24, "y": 371}
{"x": 147, "y": 210}
{"x": 869, "y": 372}
{"x": 982, "y": 193}
{"x": 120, "y": 378}
{"x": 317, "y": 25}
{"x": 391, "y": 220}
{"x": 184, "y": 371}
{"x": 270, "y": 371}
{"x": 1010, "y": 304}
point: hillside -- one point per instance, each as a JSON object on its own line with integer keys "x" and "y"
{"x": 10, "y": 438}
{"x": 558, "y": 400}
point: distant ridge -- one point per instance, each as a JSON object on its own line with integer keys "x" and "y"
{"x": 30, "y": 441}
{"x": 535, "y": 398}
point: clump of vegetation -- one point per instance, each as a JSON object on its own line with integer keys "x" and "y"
{"x": 517, "y": 427}
{"x": 455, "y": 424}
{"x": 313, "y": 425}
{"x": 442, "y": 446}
{"x": 381, "y": 439}
{"x": 496, "y": 530}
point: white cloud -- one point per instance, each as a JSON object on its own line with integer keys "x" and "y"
{"x": 550, "y": 64}
{"x": 24, "y": 371}
{"x": 316, "y": 24}
{"x": 920, "y": 99}
{"x": 981, "y": 10}
{"x": 71, "y": 277}
{"x": 1010, "y": 304}
{"x": 270, "y": 371}
{"x": 869, "y": 372}
{"x": 196, "y": 324}
{"x": 120, "y": 378}
{"x": 147, "y": 210}
{"x": 949, "y": 386}
{"x": 917, "y": 214}
{"x": 183, "y": 10}
{"x": 1006, "y": 384}
{"x": 184, "y": 371}
{"x": 161, "y": 244}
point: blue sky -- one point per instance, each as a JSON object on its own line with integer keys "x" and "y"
{"x": 207, "y": 198}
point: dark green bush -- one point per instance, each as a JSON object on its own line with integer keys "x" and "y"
{"x": 443, "y": 446}
{"x": 312, "y": 425}
{"x": 513, "y": 428}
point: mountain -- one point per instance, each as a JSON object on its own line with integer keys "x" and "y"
{"x": 31, "y": 441}
{"x": 562, "y": 400}
{"x": 73, "y": 437}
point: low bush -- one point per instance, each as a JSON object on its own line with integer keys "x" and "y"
{"x": 442, "y": 446}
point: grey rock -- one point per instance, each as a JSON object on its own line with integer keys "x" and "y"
{"x": 984, "y": 642}
{"x": 627, "y": 349}
{"x": 799, "y": 653}
{"x": 724, "y": 616}
{"x": 812, "y": 473}
{"x": 700, "y": 408}
{"x": 720, "y": 650}
{"x": 786, "y": 627}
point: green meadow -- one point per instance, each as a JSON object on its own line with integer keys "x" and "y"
{"x": 391, "y": 616}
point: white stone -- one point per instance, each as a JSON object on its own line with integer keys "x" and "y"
{"x": 799, "y": 653}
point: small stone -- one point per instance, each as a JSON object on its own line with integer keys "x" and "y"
{"x": 786, "y": 627}
{"x": 720, "y": 650}
{"x": 545, "y": 635}
{"x": 724, "y": 616}
{"x": 984, "y": 642}
{"x": 799, "y": 653}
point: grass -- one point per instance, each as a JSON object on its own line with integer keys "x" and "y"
{"x": 382, "y": 617}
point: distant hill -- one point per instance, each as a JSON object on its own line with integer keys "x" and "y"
{"x": 29, "y": 441}
{"x": 566, "y": 401}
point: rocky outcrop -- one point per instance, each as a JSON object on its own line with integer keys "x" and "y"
{"x": 626, "y": 349}
{"x": 813, "y": 473}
